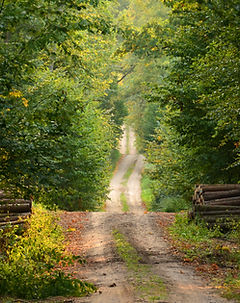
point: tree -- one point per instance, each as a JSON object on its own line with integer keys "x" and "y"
{"x": 53, "y": 75}
{"x": 199, "y": 100}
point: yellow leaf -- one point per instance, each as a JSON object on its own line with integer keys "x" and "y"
{"x": 25, "y": 102}
{"x": 15, "y": 94}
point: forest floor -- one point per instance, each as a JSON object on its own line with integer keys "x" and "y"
{"x": 128, "y": 256}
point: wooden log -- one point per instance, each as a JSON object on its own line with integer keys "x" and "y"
{"x": 13, "y": 201}
{"x": 198, "y": 208}
{"x": 26, "y": 207}
{"x": 14, "y": 214}
{"x": 220, "y": 219}
{"x": 4, "y": 224}
{"x": 4, "y": 194}
{"x": 196, "y": 198}
{"x": 197, "y": 201}
{"x": 218, "y": 187}
{"x": 224, "y": 201}
{"x": 220, "y": 194}
{"x": 191, "y": 215}
{"x": 14, "y": 218}
{"x": 227, "y": 212}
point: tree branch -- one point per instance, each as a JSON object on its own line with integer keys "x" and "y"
{"x": 127, "y": 73}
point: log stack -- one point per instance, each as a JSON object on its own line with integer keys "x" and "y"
{"x": 13, "y": 211}
{"x": 219, "y": 202}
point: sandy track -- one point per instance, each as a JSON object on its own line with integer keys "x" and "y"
{"x": 105, "y": 268}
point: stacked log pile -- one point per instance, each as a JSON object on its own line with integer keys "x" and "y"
{"x": 219, "y": 202}
{"x": 13, "y": 211}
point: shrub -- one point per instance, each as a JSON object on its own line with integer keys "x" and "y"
{"x": 214, "y": 247}
{"x": 172, "y": 204}
{"x": 147, "y": 195}
{"x": 30, "y": 263}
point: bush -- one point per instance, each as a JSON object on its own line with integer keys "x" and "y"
{"x": 30, "y": 263}
{"x": 147, "y": 192}
{"x": 172, "y": 204}
{"x": 214, "y": 247}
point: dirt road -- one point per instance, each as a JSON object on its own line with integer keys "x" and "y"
{"x": 149, "y": 273}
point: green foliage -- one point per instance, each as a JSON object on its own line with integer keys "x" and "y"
{"x": 115, "y": 156}
{"x": 201, "y": 88}
{"x": 201, "y": 242}
{"x": 30, "y": 264}
{"x": 215, "y": 247}
{"x": 191, "y": 231}
{"x": 171, "y": 204}
{"x": 147, "y": 195}
{"x": 56, "y": 131}
{"x": 190, "y": 127}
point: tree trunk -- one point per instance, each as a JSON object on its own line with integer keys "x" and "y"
{"x": 220, "y": 194}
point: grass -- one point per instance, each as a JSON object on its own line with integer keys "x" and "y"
{"x": 216, "y": 253}
{"x": 123, "y": 199}
{"x": 128, "y": 174}
{"x": 148, "y": 286}
{"x": 115, "y": 156}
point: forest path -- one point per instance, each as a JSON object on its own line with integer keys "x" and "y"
{"x": 117, "y": 282}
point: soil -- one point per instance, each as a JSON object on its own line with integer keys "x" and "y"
{"x": 142, "y": 230}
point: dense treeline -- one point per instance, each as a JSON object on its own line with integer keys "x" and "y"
{"x": 67, "y": 67}
{"x": 200, "y": 98}
{"x": 58, "y": 125}
{"x": 188, "y": 115}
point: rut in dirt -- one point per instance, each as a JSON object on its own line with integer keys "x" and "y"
{"x": 115, "y": 282}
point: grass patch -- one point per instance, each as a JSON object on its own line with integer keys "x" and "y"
{"x": 128, "y": 174}
{"x": 123, "y": 199}
{"x": 216, "y": 252}
{"x": 31, "y": 262}
{"x": 148, "y": 286}
{"x": 115, "y": 156}
{"x": 147, "y": 192}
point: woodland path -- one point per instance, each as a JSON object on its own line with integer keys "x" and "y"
{"x": 107, "y": 270}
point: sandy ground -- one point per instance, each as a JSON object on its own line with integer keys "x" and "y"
{"x": 104, "y": 267}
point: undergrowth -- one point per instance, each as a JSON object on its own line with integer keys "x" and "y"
{"x": 171, "y": 204}
{"x": 147, "y": 195}
{"x": 217, "y": 249}
{"x": 31, "y": 261}
{"x": 115, "y": 156}
{"x": 165, "y": 204}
